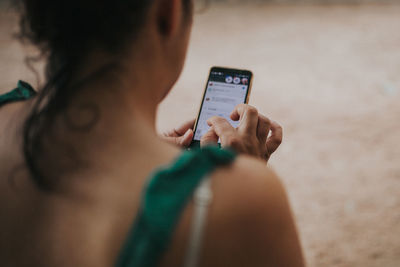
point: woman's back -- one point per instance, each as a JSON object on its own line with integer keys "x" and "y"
{"x": 88, "y": 225}
{"x": 80, "y": 220}
{"x": 76, "y": 159}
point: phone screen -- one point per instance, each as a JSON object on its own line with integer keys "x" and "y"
{"x": 225, "y": 89}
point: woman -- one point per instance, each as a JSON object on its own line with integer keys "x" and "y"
{"x": 87, "y": 182}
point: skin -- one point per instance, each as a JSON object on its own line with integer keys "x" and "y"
{"x": 85, "y": 219}
{"x": 250, "y": 137}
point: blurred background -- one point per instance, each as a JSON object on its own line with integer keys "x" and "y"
{"x": 329, "y": 72}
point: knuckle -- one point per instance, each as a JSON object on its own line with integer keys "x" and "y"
{"x": 169, "y": 132}
{"x": 277, "y": 126}
{"x": 217, "y": 119}
{"x": 266, "y": 120}
{"x": 252, "y": 111}
{"x": 278, "y": 141}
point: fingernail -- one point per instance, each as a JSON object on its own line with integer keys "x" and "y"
{"x": 187, "y": 133}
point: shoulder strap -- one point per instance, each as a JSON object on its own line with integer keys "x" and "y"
{"x": 165, "y": 197}
{"x": 23, "y": 92}
{"x": 202, "y": 200}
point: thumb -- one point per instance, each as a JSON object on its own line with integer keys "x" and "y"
{"x": 186, "y": 139}
{"x": 183, "y": 140}
{"x": 209, "y": 138}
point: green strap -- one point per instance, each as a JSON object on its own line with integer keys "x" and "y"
{"x": 167, "y": 194}
{"x": 23, "y": 92}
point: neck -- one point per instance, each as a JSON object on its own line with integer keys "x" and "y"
{"x": 127, "y": 103}
{"x": 116, "y": 111}
{"x": 134, "y": 90}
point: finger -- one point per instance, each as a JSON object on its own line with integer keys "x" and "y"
{"x": 182, "y": 141}
{"x": 275, "y": 140}
{"x": 248, "y": 116}
{"x": 186, "y": 139}
{"x": 181, "y": 130}
{"x": 224, "y": 130}
{"x": 209, "y": 138}
{"x": 263, "y": 128}
{"x": 222, "y": 127}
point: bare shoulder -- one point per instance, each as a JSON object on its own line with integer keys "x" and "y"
{"x": 249, "y": 188}
{"x": 251, "y": 180}
{"x": 249, "y": 221}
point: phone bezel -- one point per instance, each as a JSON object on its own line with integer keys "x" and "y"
{"x": 196, "y": 143}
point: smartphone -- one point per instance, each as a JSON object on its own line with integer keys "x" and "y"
{"x": 225, "y": 89}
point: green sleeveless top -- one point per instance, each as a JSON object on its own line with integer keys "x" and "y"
{"x": 167, "y": 192}
{"x": 23, "y": 92}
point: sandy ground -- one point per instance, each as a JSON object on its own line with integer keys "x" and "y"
{"x": 331, "y": 76}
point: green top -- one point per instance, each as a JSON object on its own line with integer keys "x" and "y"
{"x": 167, "y": 193}
{"x": 168, "y": 190}
{"x": 23, "y": 92}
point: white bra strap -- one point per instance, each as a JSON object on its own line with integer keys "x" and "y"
{"x": 202, "y": 199}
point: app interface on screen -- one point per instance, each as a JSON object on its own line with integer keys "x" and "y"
{"x": 224, "y": 91}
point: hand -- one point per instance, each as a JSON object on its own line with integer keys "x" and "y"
{"x": 250, "y": 137}
{"x": 181, "y": 136}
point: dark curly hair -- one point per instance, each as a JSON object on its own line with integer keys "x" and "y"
{"x": 65, "y": 31}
